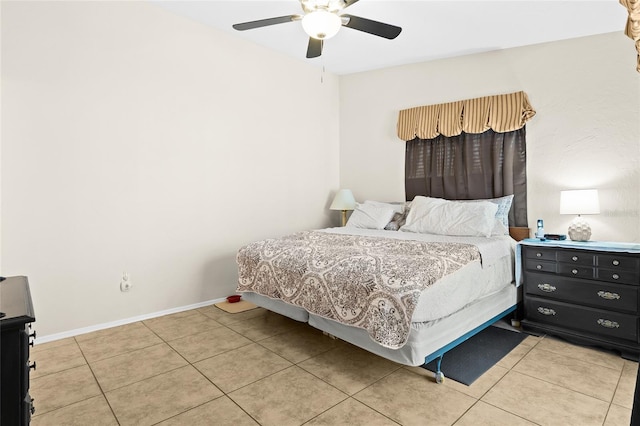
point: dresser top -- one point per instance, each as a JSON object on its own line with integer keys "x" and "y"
{"x": 584, "y": 245}
{"x": 15, "y": 301}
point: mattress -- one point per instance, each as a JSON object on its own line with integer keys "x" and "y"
{"x": 456, "y": 303}
{"x": 376, "y": 279}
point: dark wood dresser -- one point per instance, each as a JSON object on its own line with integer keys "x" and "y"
{"x": 16, "y": 337}
{"x": 585, "y": 292}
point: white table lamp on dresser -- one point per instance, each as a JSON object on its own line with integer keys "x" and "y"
{"x": 343, "y": 201}
{"x": 579, "y": 202}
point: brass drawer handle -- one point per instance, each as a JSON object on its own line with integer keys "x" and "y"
{"x": 608, "y": 295}
{"x": 574, "y": 258}
{"x": 615, "y": 262}
{"x": 615, "y": 276}
{"x": 574, "y": 271}
{"x": 546, "y": 311}
{"x": 608, "y": 323}
{"x": 547, "y": 287}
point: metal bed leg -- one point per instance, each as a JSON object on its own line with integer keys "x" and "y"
{"x": 439, "y": 375}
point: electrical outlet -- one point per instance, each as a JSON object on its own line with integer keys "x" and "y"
{"x": 125, "y": 283}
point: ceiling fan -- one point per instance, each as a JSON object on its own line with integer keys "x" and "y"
{"x": 321, "y": 20}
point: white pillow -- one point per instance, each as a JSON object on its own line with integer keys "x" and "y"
{"x": 504, "y": 205}
{"x": 442, "y": 217}
{"x": 397, "y": 207}
{"x": 370, "y": 216}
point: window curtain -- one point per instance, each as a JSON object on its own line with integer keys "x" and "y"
{"x": 469, "y": 149}
{"x": 632, "y": 29}
{"x": 502, "y": 113}
{"x": 470, "y": 166}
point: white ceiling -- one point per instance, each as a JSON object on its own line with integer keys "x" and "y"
{"x": 430, "y": 29}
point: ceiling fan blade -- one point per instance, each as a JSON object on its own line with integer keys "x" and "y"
{"x": 372, "y": 27}
{"x": 315, "y": 48}
{"x": 265, "y": 22}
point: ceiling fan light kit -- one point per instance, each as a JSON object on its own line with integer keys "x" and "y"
{"x": 321, "y": 24}
{"x": 322, "y": 20}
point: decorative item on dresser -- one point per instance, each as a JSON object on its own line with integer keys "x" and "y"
{"x": 586, "y": 292}
{"x": 578, "y": 202}
{"x": 16, "y": 316}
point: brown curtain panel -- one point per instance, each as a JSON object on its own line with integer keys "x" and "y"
{"x": 470, "y": 166}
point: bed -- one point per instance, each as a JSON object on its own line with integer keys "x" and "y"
{"x": 407, "y": 285}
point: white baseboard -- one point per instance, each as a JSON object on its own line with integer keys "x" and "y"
{"x": 84, "y": 330}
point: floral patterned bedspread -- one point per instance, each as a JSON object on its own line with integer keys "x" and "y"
{"x": 368, "y": 282}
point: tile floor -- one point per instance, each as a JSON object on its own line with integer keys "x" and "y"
{"x": 207, "y": 367}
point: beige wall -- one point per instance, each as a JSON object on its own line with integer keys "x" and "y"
{"x": 586, "y": 133}
{"x": 137, "y": 141}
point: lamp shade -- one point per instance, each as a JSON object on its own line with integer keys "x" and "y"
{"x": 579, "y": 201}
{"x": 343, "y": 200}
{"x": 321, "y": 24}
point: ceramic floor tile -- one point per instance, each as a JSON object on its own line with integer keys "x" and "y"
{"x": 583, "y": 353}
{"x": 545, "y": 403}
{"x": 627, "y": 385}
{"x": 349, "y": 368}
{"x": 234, "y": 369}
{"x": 300, "y": 345}
{"x": 56, "y": 358}
{"x": 197, "y": 347}
{"x": 289, "y": 397}
{"x": 411, "y": 399}
{"x": 160, "y": 397}
{"x": 227, "y": 318}
{"x": 50, "y": 345}
{"x": 219, "y": 412}
{"x": 485, "y": 414}
{"x": 122, "y": 370}
{"x": 513, "y": 357}
{"x": 182, "y": 324}
{"x": 352, "y": 413}
{"x": 93, "y": 411}
{"x": 265, "y": 326}
{"x": 118, "y": 341}
{"x": 593, "y": 380}
{"x": 60, "y": 389}
{"x": 618, "y": 416}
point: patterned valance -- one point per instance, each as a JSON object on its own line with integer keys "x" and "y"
{"x": 502, "y": 113}
{"x": 633, "y": 23}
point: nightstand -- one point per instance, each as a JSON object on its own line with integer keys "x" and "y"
{"x": 586, "y": 292}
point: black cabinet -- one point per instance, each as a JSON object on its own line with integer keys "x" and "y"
{"x": 16, "y": 316}
{"x": 584, "y": 292}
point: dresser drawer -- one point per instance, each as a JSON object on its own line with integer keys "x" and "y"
{"x": 576, "y": 271}
{"x": 594, "y": 321}
{"x": 618, "y": 276}
{"x": 621, "y": 298}
{"x": 540, "y": 265}
{"x": 539, "y": 253}
{"x": 576, "y": 257}
{"x": 616, "y": 262}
